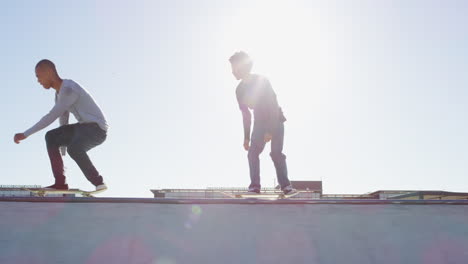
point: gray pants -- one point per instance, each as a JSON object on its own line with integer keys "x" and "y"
{"x": 78, "y": 138}
{"x": 257, "y": 144}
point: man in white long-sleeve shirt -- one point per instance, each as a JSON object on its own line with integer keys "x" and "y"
{"x": 76, "y": 139}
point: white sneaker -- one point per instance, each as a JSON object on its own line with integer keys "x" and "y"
{"x": 101, "y": 187}
{"x": 289, "y": 190}
{"x": 254, "y": 190}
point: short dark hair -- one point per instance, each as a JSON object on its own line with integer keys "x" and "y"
{"x": 46, "y": 63}
{"x": 242, "y": 58}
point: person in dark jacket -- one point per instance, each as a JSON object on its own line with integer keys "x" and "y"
{"x": 255, "y": 92}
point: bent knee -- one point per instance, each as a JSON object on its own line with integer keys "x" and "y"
{"x": 49, "y": 137}
{"x": 74, "y": 151}
{"x": 254, "y": 152}
{"x": 277, "y": 156}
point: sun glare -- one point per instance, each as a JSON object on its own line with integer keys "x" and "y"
{"x": 290, "y": 43}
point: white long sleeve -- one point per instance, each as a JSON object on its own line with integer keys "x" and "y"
{"x": 66, "y": 98}
{"x": 63, "y": 120}
{"x": 74, "y": 99}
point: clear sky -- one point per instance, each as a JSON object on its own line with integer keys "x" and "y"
{"x": 375, "y": 92}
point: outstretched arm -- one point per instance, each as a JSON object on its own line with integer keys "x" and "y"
{"x": 66, "y": 98}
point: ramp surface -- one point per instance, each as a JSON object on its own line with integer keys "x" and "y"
{"x": 170, "y": 233}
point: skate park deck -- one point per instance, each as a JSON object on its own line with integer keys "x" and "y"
{"x": 170, "y": 231}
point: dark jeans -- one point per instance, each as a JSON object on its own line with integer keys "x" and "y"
{"x": 257, "y": 144}
{"x": 78, "y": 138}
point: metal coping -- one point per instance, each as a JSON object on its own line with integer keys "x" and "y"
{"x": 249, "y": 201}
{"x": 9, "y": 187}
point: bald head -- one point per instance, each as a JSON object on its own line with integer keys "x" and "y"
{"x": 46, "y": 74}
{"x": 46, "y": 65}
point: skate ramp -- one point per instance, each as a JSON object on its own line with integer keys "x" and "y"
{"x": 165, "y": 233}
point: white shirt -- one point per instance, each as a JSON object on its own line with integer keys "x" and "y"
{"x": 71, "y": 98}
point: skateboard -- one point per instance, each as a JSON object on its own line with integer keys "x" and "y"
{"x": 42, "y": 192}
{"x": 261, "y": 195}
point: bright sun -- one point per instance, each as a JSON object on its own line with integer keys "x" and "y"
{"x": 287, "y": 41}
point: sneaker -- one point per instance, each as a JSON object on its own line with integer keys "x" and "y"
{"x": 56, "y": 186}
{"x": 289, "y": 190}
{"x": 101, "y": 187}
{"x": 254, "y": 190}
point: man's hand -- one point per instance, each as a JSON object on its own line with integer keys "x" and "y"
{"x": 18, "y": 137}
{"x": 267, "y": 137}
{"x": 247, "y": 144}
